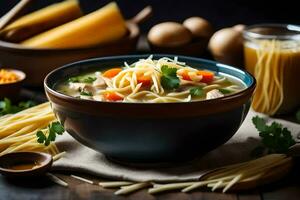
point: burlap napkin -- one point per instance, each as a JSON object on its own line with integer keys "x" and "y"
{"x": 83, "y": 159}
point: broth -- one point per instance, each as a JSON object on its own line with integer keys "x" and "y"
{"x": 151, "y": 81}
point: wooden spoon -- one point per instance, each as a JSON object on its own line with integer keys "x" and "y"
{"x": 24, "y": 164}
{"x": 8, "y": 17}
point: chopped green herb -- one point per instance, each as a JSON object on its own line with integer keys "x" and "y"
{"x": 197, "y": 91}
{"x": 26, "y": 104}
{"x": 55, "y": 128}
{"x": 74, "y": 79}
{"x": 6, "y": 106}
{"x": 169, "y": 79}
{"x": 85, "y": 93}
{"x": 275, "y": 138}
{"x": 89, "y": 79}
{"x": 224, "y": 91}
{"x": 79, "y": 79}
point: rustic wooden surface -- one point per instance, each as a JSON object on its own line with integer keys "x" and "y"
{"x": 42, "y": 188}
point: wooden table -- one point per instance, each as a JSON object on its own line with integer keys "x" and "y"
{"x": 42, "y": 188}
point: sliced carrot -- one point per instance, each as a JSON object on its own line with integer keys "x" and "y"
{"x": 112, "y": 96}
{"x": 145, "y": 80}
{"x": 185, "y": 75}
{"x": 112, "y": 72}
{"x": 207, "y": 76}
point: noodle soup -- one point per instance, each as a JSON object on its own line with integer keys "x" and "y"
{"x": 150, "y": 81}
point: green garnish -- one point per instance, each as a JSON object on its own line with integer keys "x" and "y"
{"x": 55, "y": 128}
{"x": 275, "y": 138}
{"x": 6, "y": 106}
{"x": 197, "y": 91}
{"x": 74, "y": 79}
{"x": 224, "y": 91}
{"x": 85, "y": 93}
{"x": 169, "y": 79}
{"x": 78, "y": 79}
{"x": 89, "y": 79}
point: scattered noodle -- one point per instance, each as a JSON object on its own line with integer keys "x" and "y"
{"x": 82, "y": 179}
{"x": 57, "y": 180}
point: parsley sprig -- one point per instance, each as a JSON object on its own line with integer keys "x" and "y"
{"x": 224, "y": 91}
{"x": 197, "y": 91}
{"x": 275, "y": 137}
{"x": 86, "y": 93}
{"x": 6, "y": 106}
{"x": 169, "y": 79}
{"x": 55, "y": 128}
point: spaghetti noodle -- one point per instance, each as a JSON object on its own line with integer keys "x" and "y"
{"x": 18, "y": 131}
{"x": 274, "y": 62}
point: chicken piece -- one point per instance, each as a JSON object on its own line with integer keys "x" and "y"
{"x": 98, "y": 97}
{"x": 99, "y": 82}
{"x": 213, "y": 94}
{"x": 82, "y": 87}
{"x": 86, "y": 97}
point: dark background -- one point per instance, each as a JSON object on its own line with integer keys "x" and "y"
{"x": 220, "y": 13}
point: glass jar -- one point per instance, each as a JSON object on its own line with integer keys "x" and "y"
{"x": 272, "y": 55}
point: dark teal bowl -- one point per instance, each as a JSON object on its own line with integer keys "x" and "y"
{"x": 150, "y": 132}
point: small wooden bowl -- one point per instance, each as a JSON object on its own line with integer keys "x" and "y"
{"x": 43, "y": 160}
{"x": 195, "y": 48}
{"x": 37, "y": 63}
{"x": 12, "y": 90}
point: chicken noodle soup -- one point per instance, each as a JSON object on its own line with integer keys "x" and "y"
{"x": 150, "y": 81}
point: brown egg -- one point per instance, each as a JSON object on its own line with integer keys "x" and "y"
{"x": 169, "y": 34}
{"x": 226, "y": 45}
{"x": 199, "y": 27}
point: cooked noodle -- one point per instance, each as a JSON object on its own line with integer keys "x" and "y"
{"x": 142, "y": 82}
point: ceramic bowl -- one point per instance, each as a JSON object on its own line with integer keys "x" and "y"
{"x": 150, "y": 132}
{"x": 12, "y": 90}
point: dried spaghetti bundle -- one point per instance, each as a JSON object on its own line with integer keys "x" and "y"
{"x": 18, "y": 131}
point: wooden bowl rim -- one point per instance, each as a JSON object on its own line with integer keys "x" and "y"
{"x": 44, "y": 158}
{"x": 133, "y": 33}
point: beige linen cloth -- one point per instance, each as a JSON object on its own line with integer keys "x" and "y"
{"x": 85, "y": 160}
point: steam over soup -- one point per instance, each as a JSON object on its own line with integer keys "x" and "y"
{"x": 150, "y": 81}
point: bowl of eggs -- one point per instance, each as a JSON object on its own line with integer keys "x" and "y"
{"x": 189, "y": 38}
